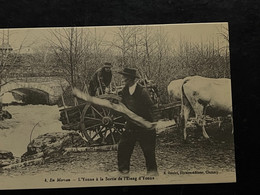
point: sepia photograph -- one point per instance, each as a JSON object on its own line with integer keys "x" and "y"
{"x": 116, "y": 106}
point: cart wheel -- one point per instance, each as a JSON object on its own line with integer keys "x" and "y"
{"x": 100, "y": 126}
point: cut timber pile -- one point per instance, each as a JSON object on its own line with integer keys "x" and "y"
{"x": 70, "y": 117}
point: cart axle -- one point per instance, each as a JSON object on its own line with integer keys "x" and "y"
{"x": 107, "y": 121}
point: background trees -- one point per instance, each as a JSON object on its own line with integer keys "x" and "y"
{"x": 8, "y": 57}
{"x": 158, "y": 55}
{"x": 161, "y": 59}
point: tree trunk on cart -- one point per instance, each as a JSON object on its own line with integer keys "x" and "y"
{"x": 120, "y": 108}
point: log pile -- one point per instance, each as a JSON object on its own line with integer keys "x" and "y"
{"x": 49, "y": 146}
{"x": 71, "y": 115}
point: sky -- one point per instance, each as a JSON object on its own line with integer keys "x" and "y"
{"x": 193, "y": 32}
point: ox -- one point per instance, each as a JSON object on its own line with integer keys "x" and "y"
{"x": 174, "y": 94}
{"x": 174, "y": 90}
{"x": 205, "y": 96}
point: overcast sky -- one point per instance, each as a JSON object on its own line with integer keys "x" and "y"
{"x": 194, "y": 32}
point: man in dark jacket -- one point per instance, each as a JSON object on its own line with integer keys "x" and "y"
{"x": 137, "y": 99}
{"x": 100, "y": 80}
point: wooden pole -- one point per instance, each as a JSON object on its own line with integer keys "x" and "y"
{"x": 91, "y": 149}
{"x": 25, "y": 163}
{"x": 64, "y": 105}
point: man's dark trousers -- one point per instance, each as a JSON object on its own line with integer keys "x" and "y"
{"x": 146, "y": 139}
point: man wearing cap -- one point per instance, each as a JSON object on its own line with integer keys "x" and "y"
{"x": 100, "y": 80}
{"x": 137, "y": 99}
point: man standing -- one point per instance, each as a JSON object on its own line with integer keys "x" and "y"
{"x": 137, "y": 99}
{"x": 100, "y": 80}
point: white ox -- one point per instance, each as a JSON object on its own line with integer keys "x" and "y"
{"x": 174, "y": 90}
{"x": 174, "y": 94}
{"x": 205, "y": 96}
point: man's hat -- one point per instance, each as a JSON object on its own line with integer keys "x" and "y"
{"x": 132, "y": 72}
{"x": 107, "y": 64}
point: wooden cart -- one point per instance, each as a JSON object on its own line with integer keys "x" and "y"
{"x": 102, "y": 126}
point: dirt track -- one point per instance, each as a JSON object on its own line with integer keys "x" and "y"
{"x": 171, "y": 153}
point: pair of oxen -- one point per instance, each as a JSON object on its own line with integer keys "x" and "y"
{"x": 203, "y": 97}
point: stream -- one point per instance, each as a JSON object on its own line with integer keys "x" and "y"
{"x": 28, "y": 121}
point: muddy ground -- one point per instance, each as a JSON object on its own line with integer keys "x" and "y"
{"x": 171, "y": 153}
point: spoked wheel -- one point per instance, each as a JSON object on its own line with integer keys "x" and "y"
{"x": 100, "y": 126}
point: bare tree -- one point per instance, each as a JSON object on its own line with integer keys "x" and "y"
{"x": 123, "y": 42}
{"x": 223, "y": 32}
{"x": 79, "y": 53}
{"x": 141, "y": 48}
{"x": 8, "y": 58}
{"x": 157, "y": 58}
{"x": 69, "y": 46}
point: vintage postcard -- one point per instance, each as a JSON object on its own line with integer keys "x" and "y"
{"x": 115, "y": 106}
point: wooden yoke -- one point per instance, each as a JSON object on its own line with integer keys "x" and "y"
{"x": 120, "y": 108}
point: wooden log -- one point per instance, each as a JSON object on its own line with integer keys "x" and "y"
{"x": 169, "y": 106}
{"x": 74, "y": 126}
{"x": 120, "y": 108}
{"x": 73, "y": 119}
{"x": 33, "y": 156}
{"x": 25, "y": 163}
{"x": 71, "y": 114}
{"x": 80, "y": 106}
{"x": 5, "y": 162}
{"x": 91, "y": 149}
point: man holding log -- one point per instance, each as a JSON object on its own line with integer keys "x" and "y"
{"x": 137, "y": 99}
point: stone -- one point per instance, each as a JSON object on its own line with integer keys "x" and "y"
{"x": 52, "y": 143}
{"x": 6, "y": 158}
{"x": 5, "y": 115}
{"x": 4, "y": 154}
